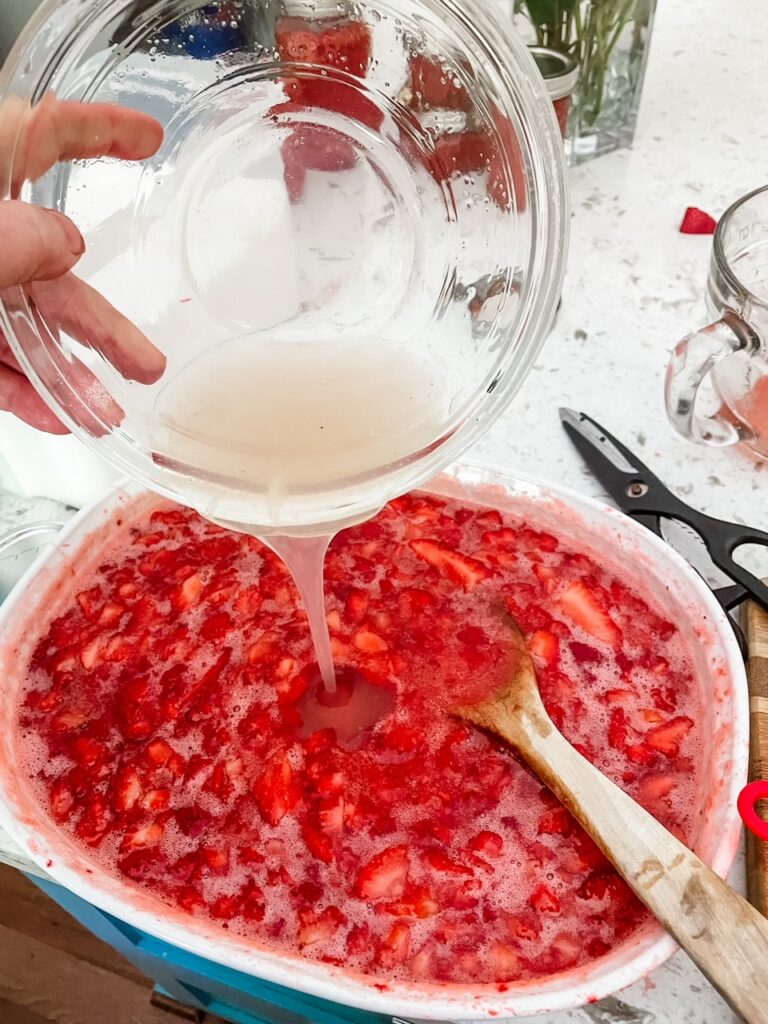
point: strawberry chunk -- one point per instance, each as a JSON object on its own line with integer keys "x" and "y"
{"x": 618, "y": 729}
{"x": 419, "y": 902}
{"x": 369, "y": 642}
{"x": 318, "y": 844}
{"x": 384, "y": 876}
{"x": 457, "y": 567}
{"x": 141, "y": 838}
{"x": 697, "y": 222}
{"x": 395, "y": 946}
{"x": 61, "y": 799}
{"x": 543, "y": 646}
{"x": 276, "y": 791}
{"x": 668, "y": 737}
{"x": 321, "y": 927}
{"x": 489, "y": 844}
{"x": 442, "y": 862}
{"x": 656, "y": 786}
{"x": 545, "y": 900}
{"x": 581, "y": 605}
{"x": 505, "y": 962}
{"x": 128, "y": 790}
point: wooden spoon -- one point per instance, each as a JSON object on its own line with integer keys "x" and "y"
{"x": 725, "y": 936}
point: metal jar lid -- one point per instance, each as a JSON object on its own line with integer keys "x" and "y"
{"x": 314, "y": 10}
{"x": 559, "y": 71}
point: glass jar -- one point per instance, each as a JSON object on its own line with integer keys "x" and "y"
{"x": 609, "y": 41}
{"x": 560, "y": 74}
{"x": 287, "y": 353}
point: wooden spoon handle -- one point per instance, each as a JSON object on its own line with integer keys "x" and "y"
{"x": 724, "y": 935}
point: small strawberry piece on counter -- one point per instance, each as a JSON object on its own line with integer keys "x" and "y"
{"x": 697, "y": 222}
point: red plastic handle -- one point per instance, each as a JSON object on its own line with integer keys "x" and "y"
{"x": 748, "y": 797}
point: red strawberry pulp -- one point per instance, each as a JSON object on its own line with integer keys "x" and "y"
{"x": 163, "y": 725}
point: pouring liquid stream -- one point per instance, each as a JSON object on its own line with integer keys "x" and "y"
{"x": 297, "y": 416}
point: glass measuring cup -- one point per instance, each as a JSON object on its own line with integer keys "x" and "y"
{"x": 717, "y": 379}
{"x": 340, "y": 305}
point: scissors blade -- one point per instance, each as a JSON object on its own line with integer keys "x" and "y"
{"x": 611, "y": 463}
{"x": 692, "y": 548}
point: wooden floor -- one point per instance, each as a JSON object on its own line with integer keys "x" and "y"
{"x": 53, "y": 971}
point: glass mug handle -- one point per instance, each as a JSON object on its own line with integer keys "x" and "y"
{"x": 690, "y": 366}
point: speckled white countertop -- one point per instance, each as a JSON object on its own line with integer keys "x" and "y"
{"x": 634, "y": 287}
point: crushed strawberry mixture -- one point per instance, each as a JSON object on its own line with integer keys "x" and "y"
{"x": 162, "y": 724}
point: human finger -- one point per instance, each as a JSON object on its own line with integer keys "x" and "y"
{"x": 73, "y": 306}
{"x": 35, "y": 243}
{"x": 17, "y": 396}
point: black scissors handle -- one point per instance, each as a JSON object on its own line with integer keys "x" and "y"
{"x": 641, "y": 494}
{"x": 646, "y": 496}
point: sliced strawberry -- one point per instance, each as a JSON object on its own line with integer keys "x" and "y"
{"x": 697, "y": 222}
{"x": 668, "y": 737}
{"x": 564, "y": 950}
{"x": 88, "y": 752}
{"x": 442, "y": 862}
{"x": 557, "y": 821}
{"x": 314, "y": 928}
{"x": 142, "y": 838}
{"x": 318, "y": 844}
{"x": 189, "y": 899}
{"x": 159, "y": 753}
{"x": 401, "y": 738}
{"x": 68, "y": 721}
{"x": 61, "y": 799}
{"x": 356, "y": 605}
{"x": 254, "y": 905}
{"x": 111, "y": 614}
{"x": 156, "y": 799}
{"x": 90, "y": 601}
{"x": 188, "y": 593}
{"x": 656, "y": 786}
{"x": 543, "y": 646}
{"x": 216, "y": 859}
{"x": 276, "y": 791}
{"x": 368, "y": 642}
{"x": 395, "y": 946}
{"x": 384, "y": 876}
{"x": 640, "y": 753}
{"x": 331, "y": 813}
{"x": 457, "y": 567}
{"x": 545, "y": 900}
{"x": 225, "y": 907}
{"x": 505, "y": 962}
{"x": 128, "y": 790}
{"x": 418, "y": 902}
{"x": 261, "y": 649}
{"x": 618, "y": 729}
{"x": 89, "y": 655}
{"x": 95, "y": 821}
{"x": 435, "y": 86}
{"x": 489, "y": 844}
{"x": 581, "y": 605}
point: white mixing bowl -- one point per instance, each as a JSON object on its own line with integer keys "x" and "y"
{"x": 613, "y": 538}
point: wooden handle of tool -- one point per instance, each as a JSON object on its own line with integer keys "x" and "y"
{"x": 725, "y": 936}
{"x": 757, "y": 674}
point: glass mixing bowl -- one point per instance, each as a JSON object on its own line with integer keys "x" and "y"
{"x": 336, "y": 269}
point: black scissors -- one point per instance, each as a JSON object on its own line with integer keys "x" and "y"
{"x": 706, "y": 542}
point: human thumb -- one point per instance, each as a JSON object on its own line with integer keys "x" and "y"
{"x": 35, "y": 244}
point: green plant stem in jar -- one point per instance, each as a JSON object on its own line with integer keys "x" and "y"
{"x": 590, "y": 32}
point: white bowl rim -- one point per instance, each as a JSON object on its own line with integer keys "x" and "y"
{"x": 567, "y": 990}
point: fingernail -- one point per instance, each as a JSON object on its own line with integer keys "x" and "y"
{"x": 75, "y": 240}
